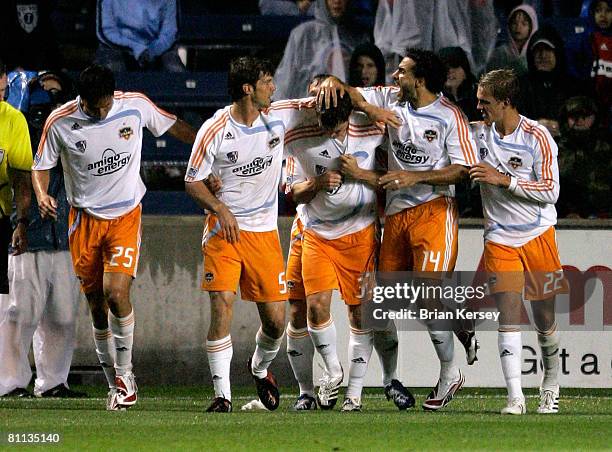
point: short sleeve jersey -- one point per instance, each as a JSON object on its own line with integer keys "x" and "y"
{"x": 248, "y": 160}
{"x": 529, "y": 156}
{"x": 101, "y": 158}
{"x": 430, "y": 138}
{"x": 15, "y": 151}
{"x": 311, "y": 152}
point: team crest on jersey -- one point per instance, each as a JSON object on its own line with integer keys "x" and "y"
{"x": 320, "y": 169}
{"x": 257, "y": 166}
{"x": 515, "y": 162}
{"x": 273, "y": 142}
{"x": 430, "y": 135}
{"x": 192, "y": 172}
{"x": 232, "y": 156}
{"x": 76, "y": 126}
{"x": 209, "y": 276}
{"x": 325, "y": 153}
{"x": 126, "y": 132}
{"x": 483, "y": 153}
{"x": 81, "y": 145}
{"x": 28, "y": 17}
{"x": 409, "y": 153}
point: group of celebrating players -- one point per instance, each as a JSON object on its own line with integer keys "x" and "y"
{"x": 329, "y": 144}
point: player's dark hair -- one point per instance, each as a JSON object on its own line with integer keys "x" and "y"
{"x": 429, "y": 67}
{"x": 502, "y": 84}
{"x": 96, "y": 82}
{"x": 332, "y": 116}
{"x": 2, "y": 68}
{"x": 246, "y": 70}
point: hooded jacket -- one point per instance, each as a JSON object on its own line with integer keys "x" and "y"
{"x": 544, "y": 93}
{"x": 508, "y": 55}
{"x": 374, "y": 53}
{"x": 322, "y": 45}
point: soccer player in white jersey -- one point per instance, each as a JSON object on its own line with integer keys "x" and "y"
{"x": 98, "y": 137}
{"x": 429, "y": 151}
{"x": 331, "y": 172}
{"x": 519, "y": 182}
{"x": 243, "y": 146}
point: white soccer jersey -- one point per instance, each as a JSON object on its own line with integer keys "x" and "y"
{"x": 101, "y": 159}
{"x": 352, "y": 206}
{"x": 429, "y": 138}
{"x": 516, "y": 215}
{"x": 248, "y": 160}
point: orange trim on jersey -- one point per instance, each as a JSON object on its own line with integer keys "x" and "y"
{"x": 464, "y": 139}
{"x": 66, "y": 110}
{"x": 133, "y": 95}
{"x": 547, "y": 183}
{"x": 306, "y": 134}
{"x": 292, "y": 132}
{"x": 210, "y": 134}
{"x": 296, "y": 104}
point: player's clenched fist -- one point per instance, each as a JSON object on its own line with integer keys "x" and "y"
{"x": 485, "y": 173}
{"x": 328, "y": 181}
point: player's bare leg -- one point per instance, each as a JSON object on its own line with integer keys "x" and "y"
{"x": 510, "y": 349}
{"x": 548, "y": 339}
{"x": 268, "y": 341}
{"x": 219, "y": 349}
{"x": 359, "y": 351}
{"x": 300, "y": 351}
{"x": 323, "y": 334}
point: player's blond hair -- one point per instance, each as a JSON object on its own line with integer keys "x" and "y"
{"x": 502, "y": 84}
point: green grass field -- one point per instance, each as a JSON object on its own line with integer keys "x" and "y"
{"x": 173, "y": 418}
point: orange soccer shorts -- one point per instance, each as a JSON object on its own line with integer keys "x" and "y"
{"x": 338, "y": 263}
{"x": 103, "y": 246}
{"x": 534, "y": 266}
{"x": 421, "y": 239}
{"x": 294, "y": 262}
{"x": 255, "y": 262}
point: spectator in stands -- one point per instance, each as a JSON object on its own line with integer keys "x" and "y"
{"x": 137, "y": 34}
{"x": 547, "y": 86}
{"x": 286, "y": 7}
{"x": 321, "y": 45}
{"x": 461, "y": 85}
{"x": 41, "y": 309}
{"x": 584, "y": 161}
{"x": 367, "y": 66}
{"x": 27, "y": 37}
{"x": 522, "y": 24}
{"x": 601, "y": 48}
{"x": 433, "y": 25}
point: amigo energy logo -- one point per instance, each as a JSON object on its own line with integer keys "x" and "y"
{"x": 110, "y": 163}
{"x": 409, "y": 153}
{"x": 257, "y": 166}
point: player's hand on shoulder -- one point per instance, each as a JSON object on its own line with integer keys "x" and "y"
{"x": 47, "y": 206}
{"x": 228, "y": 223}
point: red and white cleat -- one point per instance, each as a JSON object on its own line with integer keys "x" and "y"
{"x": 127, "y": 391}
{"x": 441, "y": 395}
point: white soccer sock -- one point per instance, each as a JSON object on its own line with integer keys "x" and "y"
{"x": 300, "y": 351}
{"x": 510, "y": 348}
{"x": 266, "y": 349}
{"x": 443, "y": 342}
{"x": 219, "y": 359}
{"x": 123, "y": 333}
{"x": 386, "y": 345}
{"x": 549, "y": 345}
{"x": 360, "y": 351}
{"x": 324, "y": 339}
{"x": 105, "y": 349}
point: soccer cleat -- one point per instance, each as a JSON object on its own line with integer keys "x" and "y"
{"x": 402, "y": 398}
{"x": 549, "y": 400}
{"x": 21, "y": 393}
{"x": 470, "y": 343}
{"x": 127, "y": 391}
{"x": 112, "y": 401}
{"x": 440, "y": 397}
{"x": 327, "y": 396}
{"x": 63, "y": 392}
{"x": 220, "y": 405}
{"x": 351, "y": 404}
{"x": 305, "y": 403}
{"x": 515, "y": 406}
{"x": 267, "y": 389}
